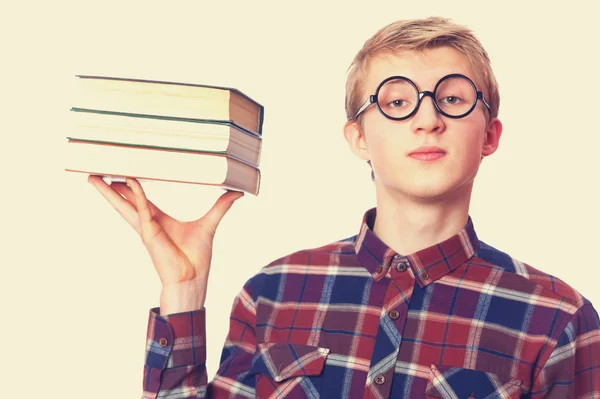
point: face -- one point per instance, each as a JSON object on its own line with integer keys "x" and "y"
{"x": 390, "y": 145}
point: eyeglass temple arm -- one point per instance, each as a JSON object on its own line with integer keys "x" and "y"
{"x": 369, "y": 101}
{"x": 482, "y": 98}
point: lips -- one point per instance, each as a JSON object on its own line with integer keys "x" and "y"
{"x": 427, "y": 153}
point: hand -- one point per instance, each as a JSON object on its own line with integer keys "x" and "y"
{"x": 181, "y": 251}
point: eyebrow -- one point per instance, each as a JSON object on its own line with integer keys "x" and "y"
{"x": 402, "y": 81}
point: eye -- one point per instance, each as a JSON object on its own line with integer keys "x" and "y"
{"x": 397, "y": 103}
{"x": 451, "y": 100}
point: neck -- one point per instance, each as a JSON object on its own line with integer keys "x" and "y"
{"x": 407, "y": 225}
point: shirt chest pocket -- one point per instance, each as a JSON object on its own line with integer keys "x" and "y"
{"x": 447, "y": 382}
{"x": 288, "y": 370}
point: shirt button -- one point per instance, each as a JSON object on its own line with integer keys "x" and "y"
{"x": 394, "y": 314}
{"x": 380, "y": 380}
{"x": 401, "y": 267}
{"x": 425, "y": 276}
{"x": 163, "y": 342}
{"x": 379, "y": 269}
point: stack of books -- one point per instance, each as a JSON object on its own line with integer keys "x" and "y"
{"x": 154, "y": 130}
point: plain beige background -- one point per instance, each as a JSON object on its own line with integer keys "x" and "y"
{"x": 77, "y": 283}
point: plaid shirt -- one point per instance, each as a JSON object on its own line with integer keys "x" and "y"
{"x": 355, "y": 319}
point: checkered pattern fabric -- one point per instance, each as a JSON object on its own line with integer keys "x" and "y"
{"x": 355, "y": 319}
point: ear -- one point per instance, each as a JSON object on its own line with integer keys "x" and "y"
{"x": 356, "y": 139}
{"x": 492, "y": 137}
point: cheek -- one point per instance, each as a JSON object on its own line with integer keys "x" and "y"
{"x": 386, "y": 148}
{"x": 468, "y": 139}
{"x": 386, "y": 136}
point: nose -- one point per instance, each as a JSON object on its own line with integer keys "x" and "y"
{"x": 427, "y": 118}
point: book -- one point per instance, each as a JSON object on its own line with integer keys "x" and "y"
{"x": 202, "y": 103}
{"x": 165, "y": 132}
{"x": 146, "y": 163}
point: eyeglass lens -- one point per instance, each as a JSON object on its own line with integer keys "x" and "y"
{"x": 454, "y": 96}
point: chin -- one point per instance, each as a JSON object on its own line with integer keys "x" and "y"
{"x": 428, "y": 193}
{"x": 422, "y": 191}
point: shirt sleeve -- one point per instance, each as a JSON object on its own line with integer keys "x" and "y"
{"x": 573, "y": 369}
{"x": 175, "y": 366}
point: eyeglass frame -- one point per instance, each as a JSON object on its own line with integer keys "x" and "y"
{"x": 420, "y": 94}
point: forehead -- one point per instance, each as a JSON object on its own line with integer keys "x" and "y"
{"x": 424, "y": 68}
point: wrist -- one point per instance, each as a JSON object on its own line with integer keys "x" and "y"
{"x": 182, "y": 297}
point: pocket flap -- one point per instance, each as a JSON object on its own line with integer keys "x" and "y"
{"x": 281, "y": 361}
{"x": 452, "y": 382}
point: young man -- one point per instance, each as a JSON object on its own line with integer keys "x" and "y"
{"x": 414, "y": 305}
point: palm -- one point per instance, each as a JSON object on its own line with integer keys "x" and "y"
{"x": 180, "y": 251}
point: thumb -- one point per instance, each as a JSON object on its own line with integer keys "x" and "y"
{"x": 220, "y": 208}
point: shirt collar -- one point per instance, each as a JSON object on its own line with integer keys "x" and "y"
{"x": 427, "y": 265}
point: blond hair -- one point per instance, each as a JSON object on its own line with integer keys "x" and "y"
{"x": 418, "y": 35}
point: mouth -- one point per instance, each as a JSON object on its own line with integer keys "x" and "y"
{"x": 427, "y": 153}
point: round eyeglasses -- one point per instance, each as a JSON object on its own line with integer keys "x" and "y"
{"x": 398, "y": 98}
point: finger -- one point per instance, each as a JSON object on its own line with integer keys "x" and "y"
{"x": 148, "y": 226}
{"x": 120, "y": 204}
{"x": 126, "y": 191}
{"x": 220, "y": 208}
{"x": 161, "y": 217}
